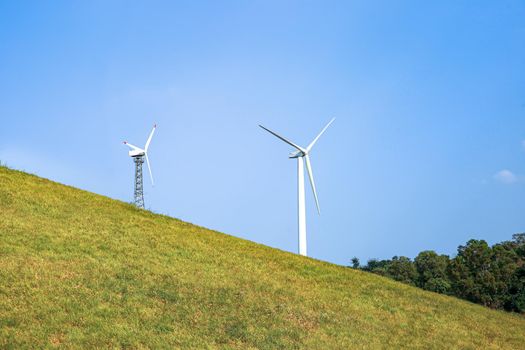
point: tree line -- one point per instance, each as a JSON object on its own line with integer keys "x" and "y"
{"x": 493, "y": 276}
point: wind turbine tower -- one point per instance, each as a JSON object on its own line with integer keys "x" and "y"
{"x": 303, "y": 157}
{"x": 138, "y": 155}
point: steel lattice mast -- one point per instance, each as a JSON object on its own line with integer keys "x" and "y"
{"x": 139, "y": 183}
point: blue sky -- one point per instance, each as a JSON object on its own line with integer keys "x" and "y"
{"x": 427, "y": 150}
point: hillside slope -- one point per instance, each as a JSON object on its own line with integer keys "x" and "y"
{"x": 80, "y": 270}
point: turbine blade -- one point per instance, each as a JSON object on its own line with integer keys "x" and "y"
{"x": 149, "y": 168}
{"x": 318, "y": 136}
{"x": 312, "y": 182}
{"x": 132, "y": 146}
{"x": 149, "y": 138}
{"x": 283, "y": 139}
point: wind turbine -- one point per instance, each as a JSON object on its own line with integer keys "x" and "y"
{"x": 138, "y": 154}
{"x": 303, "y": 156}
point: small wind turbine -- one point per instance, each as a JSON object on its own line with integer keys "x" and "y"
{"x": 303, "y": 155}
{"x": 138, "y": 155}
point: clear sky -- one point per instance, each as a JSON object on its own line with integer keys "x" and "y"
{"x": 427, "y": 150}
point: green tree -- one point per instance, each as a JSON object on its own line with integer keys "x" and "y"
{"x": 432, "y": 271}
{"x": 471, "y": 275}
{"x": 402, "y": 269}
{"x": 516, "y": 290}
{"x": 505, "y": 263}
{"x": 355, "y": 262}
{"x": 519, "y": 241}
{"x": 376, "y": 266}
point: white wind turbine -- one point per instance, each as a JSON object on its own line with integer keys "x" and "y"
{"x": 138, "y": 155}
{"x": 303, "y": 156}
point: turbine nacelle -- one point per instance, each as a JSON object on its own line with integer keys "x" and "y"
{"x": 135, "y": 152}
{"x": 297, "y": 154}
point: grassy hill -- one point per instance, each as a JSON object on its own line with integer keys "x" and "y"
{"x": 79, "y": 270}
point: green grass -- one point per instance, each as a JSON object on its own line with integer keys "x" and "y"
{"x": 79, "y": 270}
